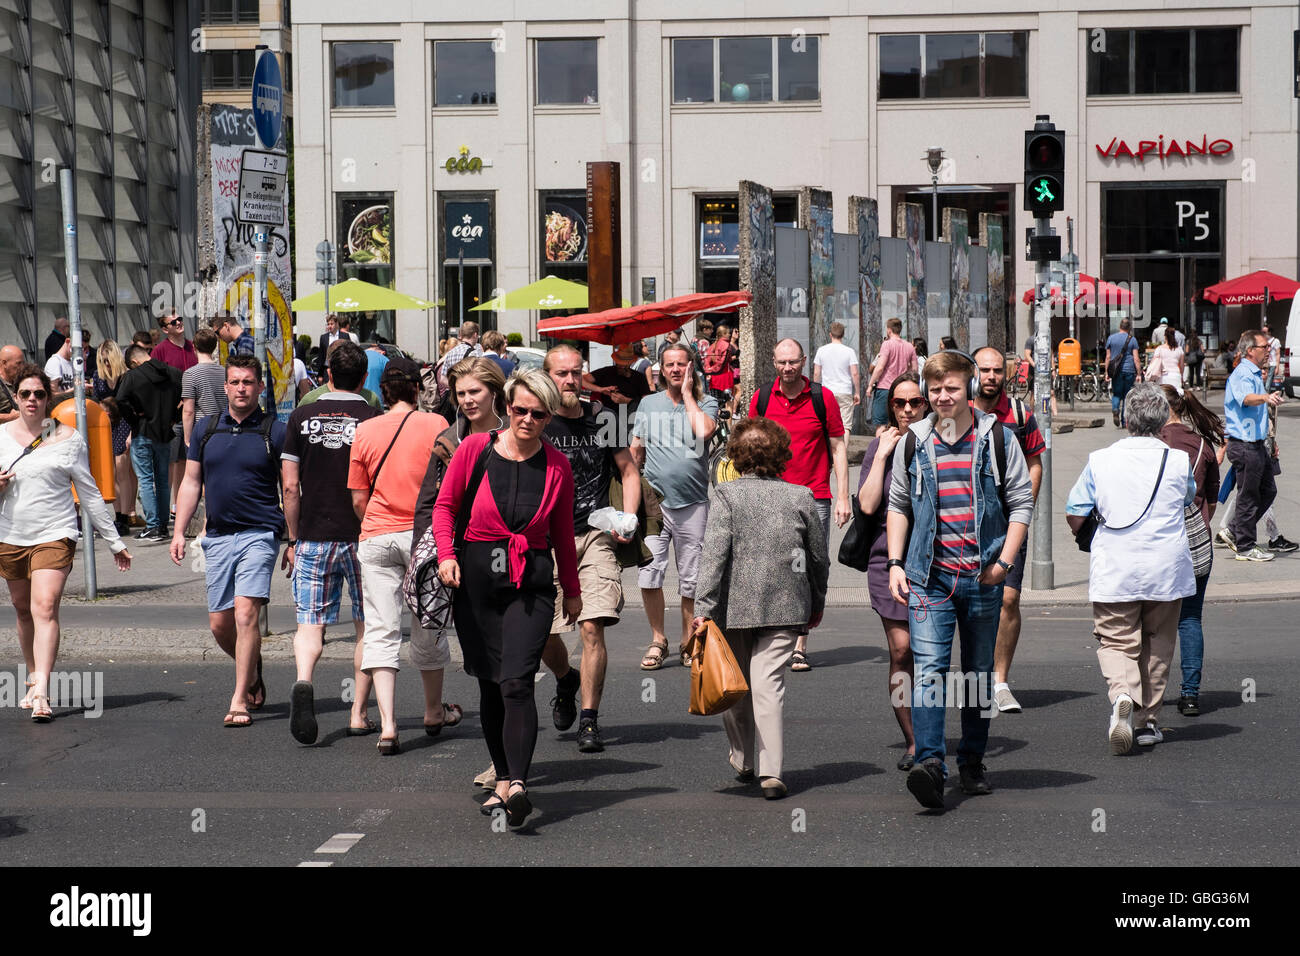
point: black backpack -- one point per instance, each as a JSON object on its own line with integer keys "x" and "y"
{"x": 818, "y": 404}
{"x": 213, "y": 427}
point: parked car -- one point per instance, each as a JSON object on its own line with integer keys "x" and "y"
{"x": 526, "y": 358}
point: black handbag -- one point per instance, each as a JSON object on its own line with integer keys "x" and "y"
{"x": 855, "y": 549}
{"x": 1112, "y": 369}
{"x": 1083, "y": 537}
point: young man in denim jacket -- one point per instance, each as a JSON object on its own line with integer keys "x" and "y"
{"x": 954, "y": 530}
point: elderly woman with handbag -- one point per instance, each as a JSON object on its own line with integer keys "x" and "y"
{"x": 762, "y": 579}
{"x": 1131, "y": 499}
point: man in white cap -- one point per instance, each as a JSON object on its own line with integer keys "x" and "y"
{"x": 1158, "y": 337}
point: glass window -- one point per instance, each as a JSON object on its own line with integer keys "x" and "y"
{"x": 1216, "y": 60}
{"x": 228, "y": 69}
{"x": 1005, "y": 64}
{"x": 230, "y": 11}
{"x": 1108, "y": 67}
{"x": 363, "y": 74}
{"x": 566, "y": 71}
{"x": 952, "y": 65}
{"x": 796, "y": 68}
{"x": 900, "y": 67}
{"x": 464, "y": 73}
{"x": 1162, "y": 61}
{"x": 745, "y": 69}
{"x": 719, "y": 229}
{"x": 692, "y": 71}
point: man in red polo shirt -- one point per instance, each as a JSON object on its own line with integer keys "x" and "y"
{"x": 992, "y": 397}
{"x": 178, "y": 352}
{"x": 813, "y": 447}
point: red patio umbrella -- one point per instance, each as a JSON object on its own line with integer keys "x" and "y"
{"x": 616, "y": 326}
{"x": 1249, "y": 289}
{"x": 1111, "y": 294}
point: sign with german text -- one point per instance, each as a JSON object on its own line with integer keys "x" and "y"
{"x": 262, "y": 179}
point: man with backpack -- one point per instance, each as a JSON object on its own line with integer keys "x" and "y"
{"x": 810, "y": 413}
{"x": 960, "y": 502}
{"x": 234, "y": 459}
{"x": 1011, "y": 412}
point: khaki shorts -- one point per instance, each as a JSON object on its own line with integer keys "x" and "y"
{"x": 17, "y": 562}
{"x": 601, "y": 580}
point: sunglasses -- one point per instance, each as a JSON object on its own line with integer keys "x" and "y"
{"x": 32, "y": 393}
{"x": 174, "y": 322}
{"x": 536, "y": 414}
{"x": 901, "y": 403}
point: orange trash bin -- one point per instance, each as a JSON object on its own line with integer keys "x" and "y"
{"x": 99, "y": 436}
{"x": 1069, "y": 357}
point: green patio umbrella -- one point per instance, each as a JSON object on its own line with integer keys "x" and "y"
{"x": 354, "y": 295}
{"x": 544, "y": 294}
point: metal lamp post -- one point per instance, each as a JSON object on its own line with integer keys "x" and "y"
{"x": 934, "y": 158}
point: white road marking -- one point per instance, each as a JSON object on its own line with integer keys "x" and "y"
{"x": 340, "y": 843}
{"x": 317, "y": 863}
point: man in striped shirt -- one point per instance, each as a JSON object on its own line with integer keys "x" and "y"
{"x": 959, "y": 505}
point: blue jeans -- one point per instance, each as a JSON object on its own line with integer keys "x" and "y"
{"x": 1120, "y": 386}
{"x": 151, "y": 460}
{"x": 880, "y": 406}
{"x": 1191, "y": 639}
{"x": 973, "y": 611}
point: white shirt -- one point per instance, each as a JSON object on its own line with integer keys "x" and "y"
{"x": 1274, "y": 350}
{"x": 836, "y": 361}
{"x": 60, "y": 371}
{"x": 38, "y": 505}
{"x": 299, "y": 371}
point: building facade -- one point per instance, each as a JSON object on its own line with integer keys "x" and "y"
{"x": 439, "y": 151}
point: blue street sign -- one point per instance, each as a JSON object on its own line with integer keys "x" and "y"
{"x": 268, "y": 98}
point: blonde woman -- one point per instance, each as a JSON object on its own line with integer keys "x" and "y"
{"x": 110, "y": 366}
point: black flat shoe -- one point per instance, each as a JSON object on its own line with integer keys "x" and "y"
{"x": 907, "y": 762}
{"x": 517, "y": 808}
{"x": 302, "y": 713}
{"x": 491, "y": 805}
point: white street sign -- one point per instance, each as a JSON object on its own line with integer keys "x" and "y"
{"x": 262, "y": 179}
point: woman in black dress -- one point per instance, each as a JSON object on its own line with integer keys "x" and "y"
{"x": 520, "y": 494}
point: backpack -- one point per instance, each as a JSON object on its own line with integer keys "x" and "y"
{"x": 819, "y": 406}
{"x": 999, "y": 457}
{"x": 212, "y": 428}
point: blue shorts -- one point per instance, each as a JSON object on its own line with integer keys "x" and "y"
{"x": 239, "y": 565}
{"x": 319, "y": 570}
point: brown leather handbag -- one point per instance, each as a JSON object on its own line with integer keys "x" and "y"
{"x": 717, "y": 681}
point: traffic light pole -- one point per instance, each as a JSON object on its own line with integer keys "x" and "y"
{"x": 1043, "y": 570}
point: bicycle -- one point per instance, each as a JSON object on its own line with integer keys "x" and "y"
{"x": 1018, "y": 383}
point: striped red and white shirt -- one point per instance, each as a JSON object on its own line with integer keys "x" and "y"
{"x": 956, "y": 547}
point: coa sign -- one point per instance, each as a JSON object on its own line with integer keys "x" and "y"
{"x": 468, "y": 230}
{"x": 464, "y": 163}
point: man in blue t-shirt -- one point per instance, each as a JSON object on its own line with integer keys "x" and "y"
{"x": 235, "y": 458}
{"x": 1123, "y": 343}
{"x": 376, "y": 362}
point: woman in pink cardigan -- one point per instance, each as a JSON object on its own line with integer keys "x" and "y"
{"x": 520, "y": 490}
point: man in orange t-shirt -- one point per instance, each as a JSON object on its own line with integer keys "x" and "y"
{"x": 390, "y": 455}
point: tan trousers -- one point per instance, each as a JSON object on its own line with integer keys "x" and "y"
{"x": 1137, "y": 646}
{"x": 845, "y": 402}
{"x": 754, "y": 722}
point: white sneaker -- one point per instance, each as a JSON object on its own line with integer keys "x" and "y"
{"x": 1006, "y": 703}
{"x": 1224, "y": 539}
{"x": 1121, "y": 725}
{"x": 1255, "y": 554}
{"x": 1150, "y": 736}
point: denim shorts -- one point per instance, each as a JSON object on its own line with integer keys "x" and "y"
{"x": 239, "y": 565}
{"x": 320, "y": 569}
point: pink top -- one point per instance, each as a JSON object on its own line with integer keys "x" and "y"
{"x": 896, "y": 356}
{"x": 179, "y": 357}
{"x": 554, "y": 519}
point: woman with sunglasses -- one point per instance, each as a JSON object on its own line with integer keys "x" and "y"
{"x": 521, "y": 507}
{"x": 41, "y": 459}
{"x": 906, "y": 404}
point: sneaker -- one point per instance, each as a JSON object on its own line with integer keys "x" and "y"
{"x": 589, "y": 741}
{"x": 973, "y": 781}
{"x": 1280, "y": 545}
{"x": 1189, "y": 706}
{"x": 564, "y": 706}
{"x": 773, "y": 788}
{"x": 1224, "y": 539}
{"x": 1115, "y": 417}
{"x": 1121, "y": 725}
{"x": 1255, "y": 554}
{"x": 1150, "y": 736}
{"x": 926, "y": 783}
{"x": 152, "y": 535}
{"x": 1004, "y": 700}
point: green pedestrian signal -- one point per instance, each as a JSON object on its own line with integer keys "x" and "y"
{"x": 1043, "y": 192}
{"x": 1044, "y": 169}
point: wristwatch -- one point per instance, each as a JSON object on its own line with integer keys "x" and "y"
{"x": 292, "y": 543}
{"x": 1007, "y": 565}
{"x": 894, "y": 563}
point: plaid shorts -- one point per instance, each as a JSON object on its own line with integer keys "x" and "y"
{"x": 319, "y": 570}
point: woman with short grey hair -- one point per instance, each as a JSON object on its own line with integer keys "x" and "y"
{"x": 1141, "y": 566}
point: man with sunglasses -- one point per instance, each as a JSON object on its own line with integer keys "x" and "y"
{"x": 1246, "y": 405}
{"x": 1011, "y": 412}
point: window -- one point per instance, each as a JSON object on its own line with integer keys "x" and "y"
{"x": 953, "y": 65}
{"x": 230, "y": 11}
{"x": 228, "y": 69}
{"x": 1163, "y": 62}
{"x": 746, "y": 69}
{"x": 566, "y": 71}
{"x": 363, "y": 74}
{"x": 464, "y": 73}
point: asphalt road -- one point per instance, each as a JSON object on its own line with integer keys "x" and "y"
{"x": 156, "y": 780}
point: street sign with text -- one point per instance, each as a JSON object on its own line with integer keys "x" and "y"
{"x": 262, "y": 179}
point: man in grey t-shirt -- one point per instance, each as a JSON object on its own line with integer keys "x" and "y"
{"x": 203, "y": 386}
{"x": 670, "y": 436}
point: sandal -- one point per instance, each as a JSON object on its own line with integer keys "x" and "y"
{"x": 518, "y": 806}
{"x": 41, "y": 713}
{"x": 258, "y": 688}
{"x": 799, "y": 662}
{"x": 654, "y": 656}
{"x": 388, "y": 747}
{"x": 451, "y": 716}
{"x": 369, "y": 728}
{"x": 489, "y": 807}
{"x": 232, "y": 719}
{"x": 685, "y": 654}
{"x": 26, "y": 702}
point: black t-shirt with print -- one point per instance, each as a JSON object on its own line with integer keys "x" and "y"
{"x": 634, "y": 385}
{"x": 589, "y": 443}
{"x": 320, "y": 440}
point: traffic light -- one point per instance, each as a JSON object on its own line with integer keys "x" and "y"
{"x": 1044, "y": 169}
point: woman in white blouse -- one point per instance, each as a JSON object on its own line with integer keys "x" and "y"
{"x": 1166, "y": 366}
{"x": 42, "y": 461}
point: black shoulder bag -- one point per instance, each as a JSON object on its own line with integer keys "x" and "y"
{"x": 1083, "y": 537}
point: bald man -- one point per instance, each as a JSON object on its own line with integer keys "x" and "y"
{"x": 11, "y": 359}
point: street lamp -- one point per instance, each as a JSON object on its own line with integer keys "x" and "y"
{"x": 934, "y": 158}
